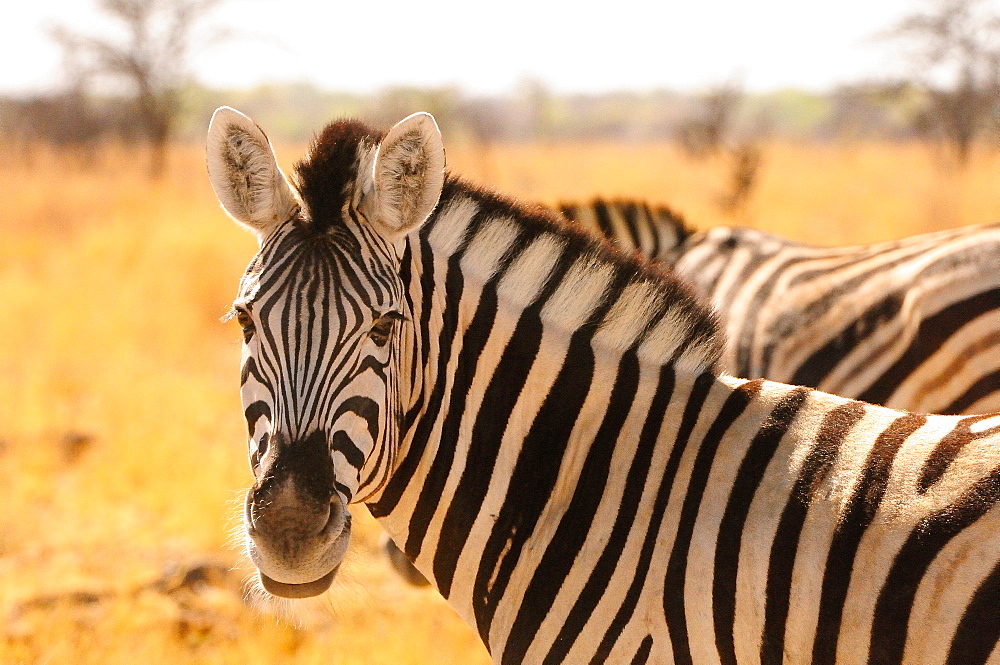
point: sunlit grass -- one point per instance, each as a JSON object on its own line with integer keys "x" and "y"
{"x": 121, "y": 438}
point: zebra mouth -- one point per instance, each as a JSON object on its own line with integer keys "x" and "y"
{"x": 306, "y": 590}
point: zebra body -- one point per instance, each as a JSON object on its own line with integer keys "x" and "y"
{"x": 539, "y": 421}
{"x": 912, "y": 324}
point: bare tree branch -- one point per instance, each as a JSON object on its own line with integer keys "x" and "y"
{"x": 152, "y": 59}
{"x": 956, "y": 58}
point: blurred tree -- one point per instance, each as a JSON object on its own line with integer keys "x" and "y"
{"x": 395, "y": 103}
{"x": 711, "y": 130}
{"x": 704, "y": 132}
{"x": 151, "y": 59}
{"x": 745, "y": 161}
{"x": 66, "y": 121}
{"x": 956, "y": 56}
{"x": 874, "y": 110}
{"x": 535, "y": 115}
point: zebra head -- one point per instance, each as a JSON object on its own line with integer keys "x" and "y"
{"x": 322, "y": 307}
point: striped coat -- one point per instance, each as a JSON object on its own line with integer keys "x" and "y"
{"x": 912, "y": 323}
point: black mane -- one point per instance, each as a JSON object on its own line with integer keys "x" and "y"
{"x": 326, "y": 175}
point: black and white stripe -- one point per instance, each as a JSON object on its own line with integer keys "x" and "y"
{"x": 655, "y": 231}
{"x": 569, "y": 468}
{"x": 913, "y": 324}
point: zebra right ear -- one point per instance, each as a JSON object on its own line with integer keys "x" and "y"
{"x": 245, "y": 174}
{"x": 407, "y": 176}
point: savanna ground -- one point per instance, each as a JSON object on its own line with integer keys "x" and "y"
{"x": 122, "y": 452}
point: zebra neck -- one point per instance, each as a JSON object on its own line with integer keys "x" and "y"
{"x": 487, "y": 280}
{"x": 535, "y": 363}
{"x": 537, "y": 265}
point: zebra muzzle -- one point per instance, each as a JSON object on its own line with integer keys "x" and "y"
{"x": 298, "y": 528}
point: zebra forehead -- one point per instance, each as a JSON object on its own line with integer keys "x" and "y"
{"x": 314, "y": 267}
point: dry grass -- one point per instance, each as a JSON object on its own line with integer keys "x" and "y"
{"x": 120, "y": 431}
{"x": 824, "y": 194}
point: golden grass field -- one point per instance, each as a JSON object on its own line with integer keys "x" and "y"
{"x": 122, "y": 451}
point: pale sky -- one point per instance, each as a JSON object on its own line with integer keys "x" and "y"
{"x": 581, "y": 46}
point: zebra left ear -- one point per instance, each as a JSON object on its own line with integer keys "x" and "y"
{"x": 245, "y": 174}
{"x": 408, "y": 175}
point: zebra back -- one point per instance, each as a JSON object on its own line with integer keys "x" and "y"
{"x": 912, "y": 323}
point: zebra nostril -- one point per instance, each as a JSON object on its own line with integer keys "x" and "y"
{"x": 259, "y": 452}
{"x": 338, "y": 518}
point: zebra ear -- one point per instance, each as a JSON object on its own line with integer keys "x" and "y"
{"x": 245, "y": 174}
{"x": 408, "y": 176}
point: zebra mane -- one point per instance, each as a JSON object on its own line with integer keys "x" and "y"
{"x": 626, "y": 302}
{"x": 598, "y": 214}
{"x": 326, "y": 176}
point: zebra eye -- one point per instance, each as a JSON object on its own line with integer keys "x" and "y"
{"x": 382, "y": 328}
{"x": 246, "y": 322}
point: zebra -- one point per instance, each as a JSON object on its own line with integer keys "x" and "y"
{"x": 539, "y": 419}
{"x": 913, "y": 324}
